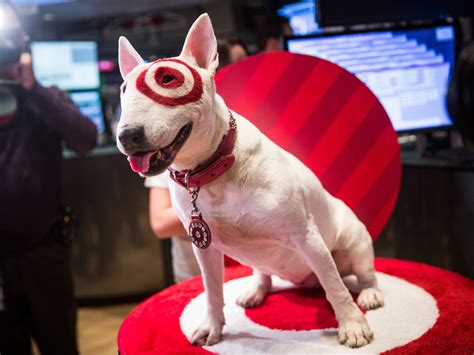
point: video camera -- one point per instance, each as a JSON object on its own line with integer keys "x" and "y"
{"x": 11, "y": 98}
{"x": 11, "y": 92}
{"x": 12, "y": 44}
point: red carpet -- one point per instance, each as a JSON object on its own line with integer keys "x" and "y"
{"x": 297, "y": 318}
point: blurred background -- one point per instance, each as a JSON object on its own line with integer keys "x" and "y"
{"x": 407, "y": 54}
{"x": 74, "y": 46}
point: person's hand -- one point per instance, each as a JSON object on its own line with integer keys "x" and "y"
{"x": 27, "y": 76}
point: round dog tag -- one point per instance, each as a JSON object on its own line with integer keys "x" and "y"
{"x": 199, "y": 232}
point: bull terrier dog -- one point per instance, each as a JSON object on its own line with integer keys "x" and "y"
{"x": 240, "y": 193}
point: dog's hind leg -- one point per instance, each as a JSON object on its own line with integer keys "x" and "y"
{"x": 262, "y": 284}
{"x": 362, "y": 262}
{"x": 354, "y": 331}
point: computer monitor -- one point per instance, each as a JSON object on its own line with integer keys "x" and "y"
{"x": 70, "y": 65}
{"x": 90, "y": 105}
{"x": 407, "y": 69}
{"x": 301, "y": 16}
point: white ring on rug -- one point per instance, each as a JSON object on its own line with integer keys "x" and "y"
{"x": 408, "y": 313}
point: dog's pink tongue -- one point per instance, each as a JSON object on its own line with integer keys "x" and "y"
{"x": 140, "y": 163}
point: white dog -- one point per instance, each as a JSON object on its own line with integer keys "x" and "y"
{"x": 263, "y": 207}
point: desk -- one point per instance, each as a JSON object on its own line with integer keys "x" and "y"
{"x": 115, "y": 254}
{"x": 433, "y": 221}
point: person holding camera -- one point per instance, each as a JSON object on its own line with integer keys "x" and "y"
{"x": 36, "y": 286}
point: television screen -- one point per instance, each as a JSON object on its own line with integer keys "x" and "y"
{"x": 90, "y": 105}
{"x": 68, "y": 65}
{"x": 408, "y": 69}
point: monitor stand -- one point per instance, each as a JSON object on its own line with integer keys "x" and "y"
{"x": 427, "y": 143}
{"x": 454, "y": 149}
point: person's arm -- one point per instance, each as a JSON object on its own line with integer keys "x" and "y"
{"x": 58, "y": 112}
{"x": 163, "y": 220}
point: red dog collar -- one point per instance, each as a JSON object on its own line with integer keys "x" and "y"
{"x": 192, "y": 180}
{"x": 221, "y": 161}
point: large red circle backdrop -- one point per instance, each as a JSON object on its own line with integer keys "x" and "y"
{"x": 329, "y": 119}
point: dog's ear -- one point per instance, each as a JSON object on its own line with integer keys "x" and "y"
{"x": 128, "y": 57}
{"x": 200, "y": 46}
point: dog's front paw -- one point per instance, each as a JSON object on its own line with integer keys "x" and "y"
{"x": 370, "y": 298}
{"x": 208, "y": 333}
{"x": 252, "y": 298}
{"x": 355, "y": 333}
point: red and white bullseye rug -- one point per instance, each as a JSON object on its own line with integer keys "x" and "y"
{"x": 427, "y": 310}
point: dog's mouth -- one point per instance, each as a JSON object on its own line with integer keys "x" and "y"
{"x": 154, "y": 162}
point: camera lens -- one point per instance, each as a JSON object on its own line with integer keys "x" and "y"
{"x": 10, "y": 52}
{"x": 8, "y": 105}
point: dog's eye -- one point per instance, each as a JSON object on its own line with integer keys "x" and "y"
{"x": 124, "y": 88}
{"x": 168, "y": 78}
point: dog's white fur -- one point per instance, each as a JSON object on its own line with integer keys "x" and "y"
{"x": 269, "y": 211}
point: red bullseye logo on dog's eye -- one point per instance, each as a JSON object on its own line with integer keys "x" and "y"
{"x": 174, "y": 84}
{"x": 169, "y": 78}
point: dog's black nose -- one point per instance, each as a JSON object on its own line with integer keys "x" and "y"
{"x": 132, "y": 137}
